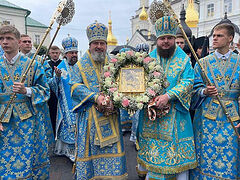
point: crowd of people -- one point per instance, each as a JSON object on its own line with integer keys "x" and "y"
{"x": 59, "y": 109}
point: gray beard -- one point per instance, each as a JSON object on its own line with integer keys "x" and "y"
{"x": 98, "y": 56}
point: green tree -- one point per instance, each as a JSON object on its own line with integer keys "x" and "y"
{"x": 42, "y": 50}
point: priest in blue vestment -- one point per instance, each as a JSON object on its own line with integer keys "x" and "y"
{"x": 166, "y": 144}
{"x": 66, "y": 119}
{"x": 99, "y": 143}
{"x": 23, "y": 140}
{"x": 217, "y": 146}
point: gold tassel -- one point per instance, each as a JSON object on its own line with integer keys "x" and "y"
{"x": 74, "y": 168}
{"x": 137, "y": 145}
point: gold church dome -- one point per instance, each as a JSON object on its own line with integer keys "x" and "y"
{"x": 143, "y": 15}
{"x": 111, "y": 39}
{"x": 192, "y": 17}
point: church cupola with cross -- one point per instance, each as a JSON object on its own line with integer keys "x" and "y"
{"x": 140, "y": 19}
{"x": 111, "y": 39}
{"x": 192, "y": 17}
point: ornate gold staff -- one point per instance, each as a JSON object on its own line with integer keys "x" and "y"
{"x": 24, "y": 76}
{"x": 64, "y": 18}
{"x": 168, "y": 6}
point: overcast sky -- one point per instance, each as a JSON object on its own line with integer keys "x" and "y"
{"x": 86, "y": 12}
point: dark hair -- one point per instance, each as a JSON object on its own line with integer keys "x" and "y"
{"x": 10, "y": 30}
{"x": 229, "y": 28}
{"x": 179, "y": 36}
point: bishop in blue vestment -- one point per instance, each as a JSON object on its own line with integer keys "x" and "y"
{"x": 99, "y": 143}
{"x": 166, "y": 145}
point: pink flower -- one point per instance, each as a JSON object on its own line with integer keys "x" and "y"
{"x": 107, "y": 74}
{"x": 130, "y": 53}
{"x": 112, "y": 90}
{"x": 151, "y": 92}
{"x": 147, "y": 60}
{"x": 156, "y": 74}
{"x": 113, "y": 60}
{"x": 125, "y": 102}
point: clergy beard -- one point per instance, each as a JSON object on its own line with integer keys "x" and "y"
{"x": 98, "y": 56}
{"x": 166, "y": 53}
{"x": 72, "y": 60}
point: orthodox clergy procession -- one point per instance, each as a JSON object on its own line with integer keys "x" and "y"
{"x": 159, "y": 103}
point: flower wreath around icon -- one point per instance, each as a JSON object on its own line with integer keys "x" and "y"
{"x": 155, "y": 81}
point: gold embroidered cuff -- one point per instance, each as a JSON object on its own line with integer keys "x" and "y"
{"x": 96, "y": 98}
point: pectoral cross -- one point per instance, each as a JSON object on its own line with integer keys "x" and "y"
{"x": 6, "y": 77}
{"x": 219, "y": 78}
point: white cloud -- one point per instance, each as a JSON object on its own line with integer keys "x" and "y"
{"x": 86, "y": 12}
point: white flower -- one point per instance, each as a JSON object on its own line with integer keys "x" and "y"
{"x": 140, "y": 59}
{"x": 106, "y": 68}
{"x": 151, "y": 66}
{"x": 140, "y": 105}
{"x": 155, "y": 86}
{"x": 150, "y": 84}
{"x": 117, "y": 96}
{"x": 137, "y": 54}
{"x": 112, "y": 70}
{"x": 108, "y": 81}
{"x": 138, "y": 99}
{"x": 156, "y": 80}
{"x": 123, "y": 54}
{"x": 111, "y": 65}
{"x": 153, "y": 63}
{"x": 144, "y": 54}
{"x": 145, "y": 98}
{"x": 120, "y": 59}
{"x": 158, "y": 67}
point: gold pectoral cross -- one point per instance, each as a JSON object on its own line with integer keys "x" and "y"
{"x": 219, "y": 78}
{"x": 6, "y": 77}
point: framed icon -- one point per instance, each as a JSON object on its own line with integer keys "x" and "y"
{"x": 132, "y": 80}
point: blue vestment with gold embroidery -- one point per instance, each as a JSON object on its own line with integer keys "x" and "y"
{"x": 166, "y": 144}
{"x": 1, "y": 51}
{"x": 46, "y": 66}
{"x": 66, "y": 119}
{"x": 129, "y": 123}
{"x": 23, "y": 142}
{"x": 44, "y": 114}
{"x": 126, "y": 121}
{"x": 217, "y": 146}
{"x": 100, "y": 151}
